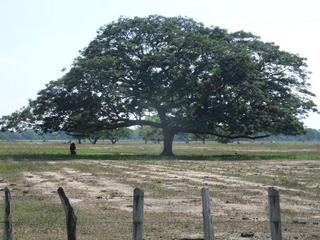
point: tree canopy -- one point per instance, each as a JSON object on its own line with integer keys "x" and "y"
{"x": 195, "y": 79}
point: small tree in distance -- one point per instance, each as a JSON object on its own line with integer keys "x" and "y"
{"x": 195, "y": 79}
{"x": 149, "y": 133}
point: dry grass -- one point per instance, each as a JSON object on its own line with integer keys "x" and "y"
{"x": 101, "y": 193}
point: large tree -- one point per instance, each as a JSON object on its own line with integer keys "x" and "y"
{"x": 195, "y": 79}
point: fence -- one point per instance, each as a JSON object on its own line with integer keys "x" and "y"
{"x": 138, "y": 214}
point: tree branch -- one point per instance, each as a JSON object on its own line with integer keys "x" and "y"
{"x": 230, "y": 136}
{"x": 110, "y": 126}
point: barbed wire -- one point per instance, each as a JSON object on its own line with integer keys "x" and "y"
{"x": 298, "y": 222}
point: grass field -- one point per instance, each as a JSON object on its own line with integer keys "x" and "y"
{"x": 138, "y": 150}
{"x": 100, "y": 187}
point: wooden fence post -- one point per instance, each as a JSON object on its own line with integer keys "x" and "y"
{"x": 207, "y": 217}
{"x": 7, "y": 215}
{"x": 138, "y": 202}
{"x": 275, "y": 219}
{"x": 71, "y": 217}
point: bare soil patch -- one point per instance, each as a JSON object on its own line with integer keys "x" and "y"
{"x": 102, "y": 191}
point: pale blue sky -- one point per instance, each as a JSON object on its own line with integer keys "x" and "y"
{"x": 40, "y": 37}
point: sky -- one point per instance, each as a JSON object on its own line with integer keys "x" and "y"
{"x": 38, "y": 38}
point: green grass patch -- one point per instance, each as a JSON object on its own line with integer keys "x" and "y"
{"x": 13, "y": 168}
{"x": 37, "y": 211}
{"x": 140, "y": 151}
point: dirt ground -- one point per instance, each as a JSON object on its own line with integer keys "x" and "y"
{"x": 101, "y": 194}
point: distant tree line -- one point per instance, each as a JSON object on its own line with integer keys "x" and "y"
{"x": 310, "y": 135}
{"x": 145, "y": 133}
{"x": 32, "y": 135}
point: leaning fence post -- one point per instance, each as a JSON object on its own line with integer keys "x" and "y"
{"x": 138, "y": 201}
{"x": 207, "y": 217}
{"x": 275, "y": 219}
{"x": 7, "y": 215}
{"x": 71, "y": 217}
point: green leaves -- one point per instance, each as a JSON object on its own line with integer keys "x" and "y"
{"x": 195, "y": 78}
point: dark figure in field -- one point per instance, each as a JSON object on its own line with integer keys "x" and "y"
{"x": 73, "y": 149}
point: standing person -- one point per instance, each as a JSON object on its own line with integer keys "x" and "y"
{"x": 73, "y": 149}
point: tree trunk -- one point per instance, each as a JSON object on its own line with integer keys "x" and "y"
{"x": 167, "y": 143}
{"x": 94, "y": 140}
